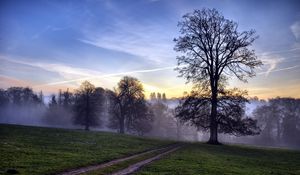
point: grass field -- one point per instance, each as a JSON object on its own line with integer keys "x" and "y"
{"x": 206, "y": 159}
{"x": 36, "y": 150}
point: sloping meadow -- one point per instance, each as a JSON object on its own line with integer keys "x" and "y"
{"x": 36, "y": 150}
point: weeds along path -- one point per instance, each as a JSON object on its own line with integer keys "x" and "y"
{"x": 162, "y": 151}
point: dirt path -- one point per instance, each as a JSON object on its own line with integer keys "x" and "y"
{"x": 116, "y": 161}
{"x": 137, "y": 166}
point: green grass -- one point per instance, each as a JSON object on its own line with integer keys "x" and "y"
{"x": 206, "y": 159}
{"x": 37, "y": 150}
{"x": 122, "y": 165}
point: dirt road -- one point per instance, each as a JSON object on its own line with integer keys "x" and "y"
{"x": 134, "y": 167}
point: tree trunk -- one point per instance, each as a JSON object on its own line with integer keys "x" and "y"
{"x": 213, "y": 118}
{"x": 178, "y": 130}
{"x": 122, "y": 125}
{"x": 87, "y": 113}
{"x": 121, "y": 119}
{"x": 278, "y": 131}
{"x": 122, "y": 122}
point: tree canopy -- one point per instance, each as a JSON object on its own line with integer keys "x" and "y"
{"x": 195, "y": 109}
{"x": 212, "y": 49}
{"x": 128, "y": 107}
{"x": 88, "y": 105}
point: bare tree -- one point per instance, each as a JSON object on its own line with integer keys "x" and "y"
{"x": 212, "y": 49}
{"x": 195, "y": 109}
{"x": 89, "y": 102}
{"x": 128, "y": 107}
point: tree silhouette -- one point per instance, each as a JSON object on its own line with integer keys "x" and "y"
{"x": 269, "y": 117}
{"x": 128, "y": 106}
{"x": 4, "y": 100}
{"x": 231, "y": 119}
{"x": 280, "y": 121}
{"x": 164, "y": 98}
{"x": 53, "y": 102}
{"x": 152, "y": 96}
{"x": 212, "y": 49}
{"x": 88, "y": 105}
{"x": 22, "y": 96}
{"x": 158, "y": 96}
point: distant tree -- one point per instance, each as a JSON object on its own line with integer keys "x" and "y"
{"x": 141, "y": 118}
{"x": 164, "y": 98}
{"x": 15, "y": 95}
{"x": 195, "y": 109}
{"x": 22, "y": 96}
{"x": 60, "y": 114}
{"x": 4, "y": 100}
{"x": 160, "y": 113}
{"x": 128, "y": 106}
{"x": 268, "y": 116}
{"x": 280, "y": 121}
{"x": 21, "y": 104}
{"x": 41, "y": 98}
{"x": 88, "y": 105}
{"x": 291, "y": 120}
{"x": 158, "y": 96}
{"x": 53, "y": 102}
{"x": 152, "y": 96}
{"x": 115, "y": 109}
{"x": 53, "y": 113}
{"x": 213, "y": 48}
{"x": 60, "y": 97}
{"x": 67, "y": 99}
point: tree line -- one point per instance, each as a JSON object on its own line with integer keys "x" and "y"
{"x": 125, "y": 105}
{"x": 279, "y": 119}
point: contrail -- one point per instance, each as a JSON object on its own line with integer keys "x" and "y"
{"x": 138, "y": 71}
{"x": 109, "y": 75}
{"x": 277, "y": 51}
{"x": 277, "y": 70}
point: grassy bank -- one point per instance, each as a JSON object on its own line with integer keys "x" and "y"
{"x": 208, "y": 159}
{"x": 36, "y": 150}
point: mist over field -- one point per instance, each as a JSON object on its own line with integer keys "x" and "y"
{"x": 164, "y": 124}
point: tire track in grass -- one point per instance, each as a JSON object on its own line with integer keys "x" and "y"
{"x": 135, "y": 167}
{"x": 114, "y": 162}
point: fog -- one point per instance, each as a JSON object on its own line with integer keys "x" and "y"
{"x": 24, "y": 115}
{"x": 274, "y": 132}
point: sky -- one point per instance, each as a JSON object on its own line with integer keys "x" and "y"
{"x": 50, "y": 45}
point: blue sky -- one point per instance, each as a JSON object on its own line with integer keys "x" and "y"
{"x": 53, "y": 45}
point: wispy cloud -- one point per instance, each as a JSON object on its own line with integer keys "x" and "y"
{"x": 296, "y": 48}
{"x": 271, "y": 62}
{"x": 6, "y": 82}
{"x": 65, "y": 71}
{"x": 72, "y": 74}
{"x": 278, "y": 70}
{"x": 109, "y": 75}
{"x": 295, "y": 28}
{"x": 46, "y": 29}
{"x": 148, "y": 41}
